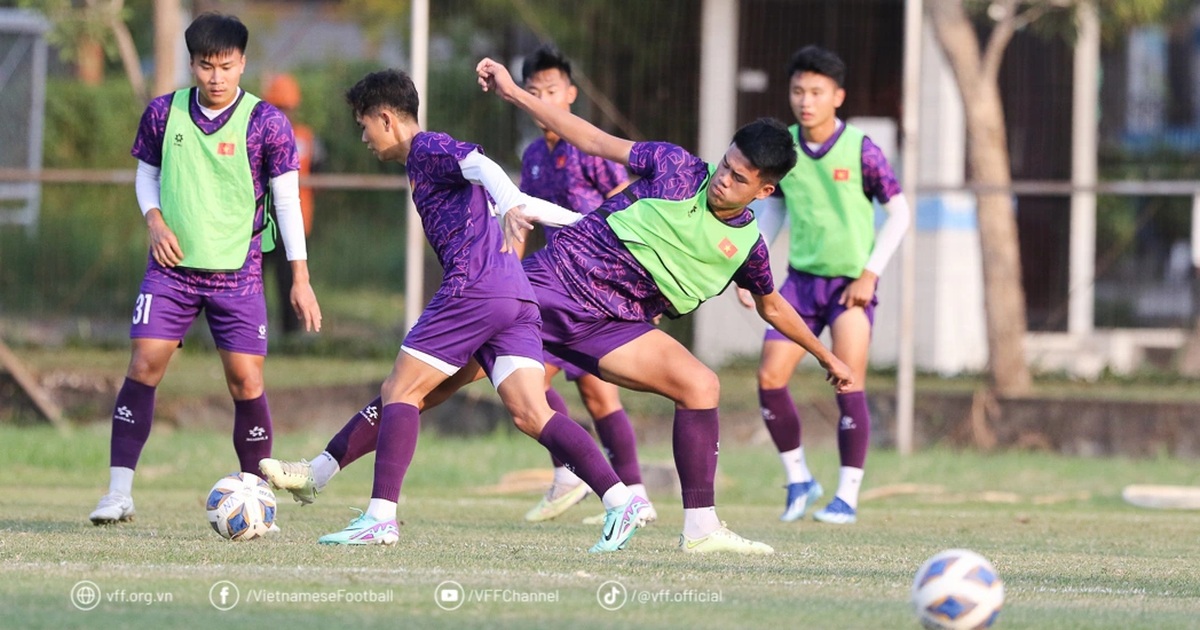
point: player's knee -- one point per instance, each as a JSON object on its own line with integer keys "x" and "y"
{"x": 769, "y": 378}
{"x": 245, "y": 386}
{"x": 526, "y": 424}
{"x": 702, "y": 390}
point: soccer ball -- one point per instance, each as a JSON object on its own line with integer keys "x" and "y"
{"x": 240, "y": 506}
{"x": 957, "y": 589}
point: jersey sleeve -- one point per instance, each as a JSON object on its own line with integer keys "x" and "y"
{"x": 666, "y": 171}
{"x": 437, "y": 156}
{"x": 604, "y": 175}
{"x": 755, "y": 274}
{"x": 879, "y": 182}
{"x": 279, "y": 140}
{"x": 147, "y": 144}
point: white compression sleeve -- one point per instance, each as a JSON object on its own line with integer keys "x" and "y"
{"x": 771, "y": 214}
{"x": 285, "y": 193}
{"x": 890, "y": 235}
{"x": 147, "y": 184}
{"x": 478, "y": 169}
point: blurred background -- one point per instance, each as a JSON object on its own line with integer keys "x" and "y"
{"x": 1099, "y": 107}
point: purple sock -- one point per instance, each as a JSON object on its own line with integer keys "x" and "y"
{"x": 252, "y": 434}
{"x": 616, "y": 434}
{"x": 131, "y": 419}
{"x": 571, "y": 444}
{"x": 559, "y": 405}
{"x": 781, "y": 417}
{"x": 399, "y": 426}
{"x": 359, "y": 436}
{"x": 854, "y": 429}
{"x": 695, "y": 440}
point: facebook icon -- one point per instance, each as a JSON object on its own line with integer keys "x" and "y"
{"x": 224, "y": 595}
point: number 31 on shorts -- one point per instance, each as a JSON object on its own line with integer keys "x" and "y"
{"x": 141, "y": 310}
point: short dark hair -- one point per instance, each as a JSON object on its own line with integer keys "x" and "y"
{"x": 769, "y": 147}
{"x": 215, "y": 33}
{"x": 818, "y": 60}
{"x": 546, "y": 57}
{"x": 390, "y": 89}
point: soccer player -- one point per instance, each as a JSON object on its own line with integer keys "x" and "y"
{"x": 673, "y": 239}
{"x": 207, "y": 158}
{"x": 834, "y": 265}
{"x": 484, "y": 309}
{"x": 556, "y": 171}
{"x": 670, "y": 241}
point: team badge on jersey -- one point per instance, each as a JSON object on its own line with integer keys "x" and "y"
{"x": 841, "y": 174}
{"x": 561, "y": 161}
{"x": 225, "y": 148}
{"x": 727, "y": 247}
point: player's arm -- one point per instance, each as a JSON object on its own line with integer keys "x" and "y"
{"x": 778, "y": 313}
{"x": 590, "y": 139}
{"x": 879, "y": 182}
{"x": 164, "y": 246}
{"x": 285, "y": 191}
{"x": 518, "y": 210}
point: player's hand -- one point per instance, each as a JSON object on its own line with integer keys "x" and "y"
{"x": 861, "y": 291}
{"x": 304, "y": 303}
{"x": 494, "y": 77}
{"x": 838, "y": 374}
{"x": 164, "y": 246}
{"x": 745, "y": 298}
{"x": 516, "y": 226}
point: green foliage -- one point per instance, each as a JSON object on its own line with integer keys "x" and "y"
{"x": 90, "y": 127}
{"x": 73, "y": 22}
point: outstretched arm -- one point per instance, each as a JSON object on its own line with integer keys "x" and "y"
{"x": 494, "y": 77}
{"x": 777, "y": 312}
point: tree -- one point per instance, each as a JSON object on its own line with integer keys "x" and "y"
{"x": 89, "y": 32}
{"x": 976, "y": 71}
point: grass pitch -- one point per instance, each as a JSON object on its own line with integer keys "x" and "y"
{"x": 1071, "y": 553}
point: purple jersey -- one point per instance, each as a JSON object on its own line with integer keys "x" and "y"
{"x": 271, "y": 149}
{"x": 568, "y": 177}
{"x": 459, "y": 224}
{"x": 879, "y": 182}
{"x": 602, "y": 275}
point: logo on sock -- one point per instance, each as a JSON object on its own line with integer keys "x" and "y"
{"x": 767, "y": 414}
{"x": 124, "y": 414}
{"x": 257, "y": 434}
{"x": 847, "y": 424}
{"x": 370, "y": 413}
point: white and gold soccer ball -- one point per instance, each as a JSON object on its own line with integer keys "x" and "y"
{"x": 241, "y": 506}
{"x": 957, "y": 589}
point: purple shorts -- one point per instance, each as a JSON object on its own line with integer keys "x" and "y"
{"x": 454, "y": 329}
{"x": 570, "y": 370}
{"x": 568, "y": 330}
{"x": 237, "y": 320}
{"x": 815, "y": 298}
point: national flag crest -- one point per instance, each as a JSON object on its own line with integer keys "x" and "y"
{"x": 841, "y": 174}
{"x": 727, "y": 247}
{"x": 225, "y": 148}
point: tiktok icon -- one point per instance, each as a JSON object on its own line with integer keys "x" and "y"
{"x": 611, "y": 595}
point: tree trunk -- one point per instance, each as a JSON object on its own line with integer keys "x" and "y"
{"x": 976, "y": 75}
{"x": 167, "y": 29}
{"x": 1004, "y": 295}
{"x": 89, "y": 61}
{"x": 127, "y": 50}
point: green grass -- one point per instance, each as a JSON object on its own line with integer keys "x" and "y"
{"x": 1071, "y": 553}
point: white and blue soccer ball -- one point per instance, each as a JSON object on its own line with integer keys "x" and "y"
{"x": 241, "y": 506}
{"x": 957, "y": 589}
